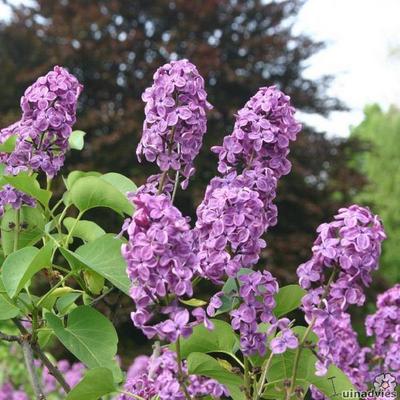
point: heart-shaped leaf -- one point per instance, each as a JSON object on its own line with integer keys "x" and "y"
{"x": 88, "y": 334}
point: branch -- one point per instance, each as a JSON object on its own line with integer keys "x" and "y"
{"x": 9, "y": 338}
{"x": 50, "y": 366}
{"x": 29, "y": 362}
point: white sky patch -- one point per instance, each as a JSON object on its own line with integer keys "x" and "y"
{"x": 361, "y": 36}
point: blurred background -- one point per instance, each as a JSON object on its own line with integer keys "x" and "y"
{"x": 339, "y": 60}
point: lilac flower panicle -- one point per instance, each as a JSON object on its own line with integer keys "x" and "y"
{"x": 158, "y": 376}
{"x": 48, "y": 114}
{"x": 175, "y": 120}
{"x": 235, "y": 213}
{"x": 160, "y": 261}
{"x": 263, "y": 130}
{"x": 257, "y": 293}
{"x": 251, "y": 160}
{"x": 350, "y": 246}
{"x": 385, "y": 326}
{"x": 351, "y": 243}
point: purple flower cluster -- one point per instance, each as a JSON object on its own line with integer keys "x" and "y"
{"x": 160, "y": 263}
{"x": 385, "y": 326}
{"x": 231, "y": 220}
{"x": 286, "y": 338}
{"x": 238, "y": 208}
{"x": 158, "y": 376}
{"x": 257, "y": 291}
{"x": 349, "y": 248}
{"x": 351, "y": 244}
{"x": 8, "y": 392}
{"x": 176, "y": 106}
{"x": 48, "y": 114}
{"x": 14, "y": 198}
{"x": 263, "y": 130}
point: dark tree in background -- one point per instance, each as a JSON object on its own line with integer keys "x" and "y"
{"x": 114, "y": 47}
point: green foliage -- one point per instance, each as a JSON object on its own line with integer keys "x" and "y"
{"x": 103, "y": 256}
{"x": 92, "y": 191}
{"x": 96, "y": 383}
{"x": 76, "y": 140}
{"x": 7, "y": 307}
{"x": 28, "y": 184}
{"x": 34, "y": 221}
{"x": 88, "y": 231}
{"x": 203, "y": 364}
{"x": 20, "y": 266}
{"x": 281, "y": 370}
{"x": 88, "y": 335}
{"x": 380, "y": 163}
{"x": 288, "y": 299}
{"x": 9, "y": 144}
{"x": 220, "y": 340}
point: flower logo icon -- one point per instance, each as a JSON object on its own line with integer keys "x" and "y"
{"x": 385, "y": 382}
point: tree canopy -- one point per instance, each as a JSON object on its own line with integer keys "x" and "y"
{"x": 380, "y": 162}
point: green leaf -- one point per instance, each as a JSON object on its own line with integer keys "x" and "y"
{"x": 44, "y": 336}
{"x": 75, "y": 175}
{"x": 288, "y": 299}
{"x": 66, "y": 303}
{"x": 193, "y": 302}
{"x": 229, "y": 298}
{"x": 76, "y": 140}
{"x": 33, "y": 222}
{"x": 92, "y": 191}
{"x": 7, "y": 308}
{"x": 205, "y": 365}
{"x": 88, "y": 231}
{"x": 94, "y": 281}
{"x": 336, "y": 387}
{"x": 120, "y": 182}
{"x": 29, "y": 185}
{"x": 281, "y": 369}
{"x": 230, "y": 284}
{"x": 229, "y": 302}
{"x": 9, "y": 145}
{"x": 104, "y": 257}
{"x": 221, "y": 339}
{"x": 96, "y": 383}
{"x": 88, "y": 334}
{"x": 274, "y": 389}
{"x": 49, "y": 301}
{"x": 20, "y": 266}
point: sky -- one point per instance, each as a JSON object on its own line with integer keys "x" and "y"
{"x": 361, "y": 36}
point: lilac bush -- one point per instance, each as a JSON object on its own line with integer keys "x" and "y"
{"x": 244, "y": 338}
